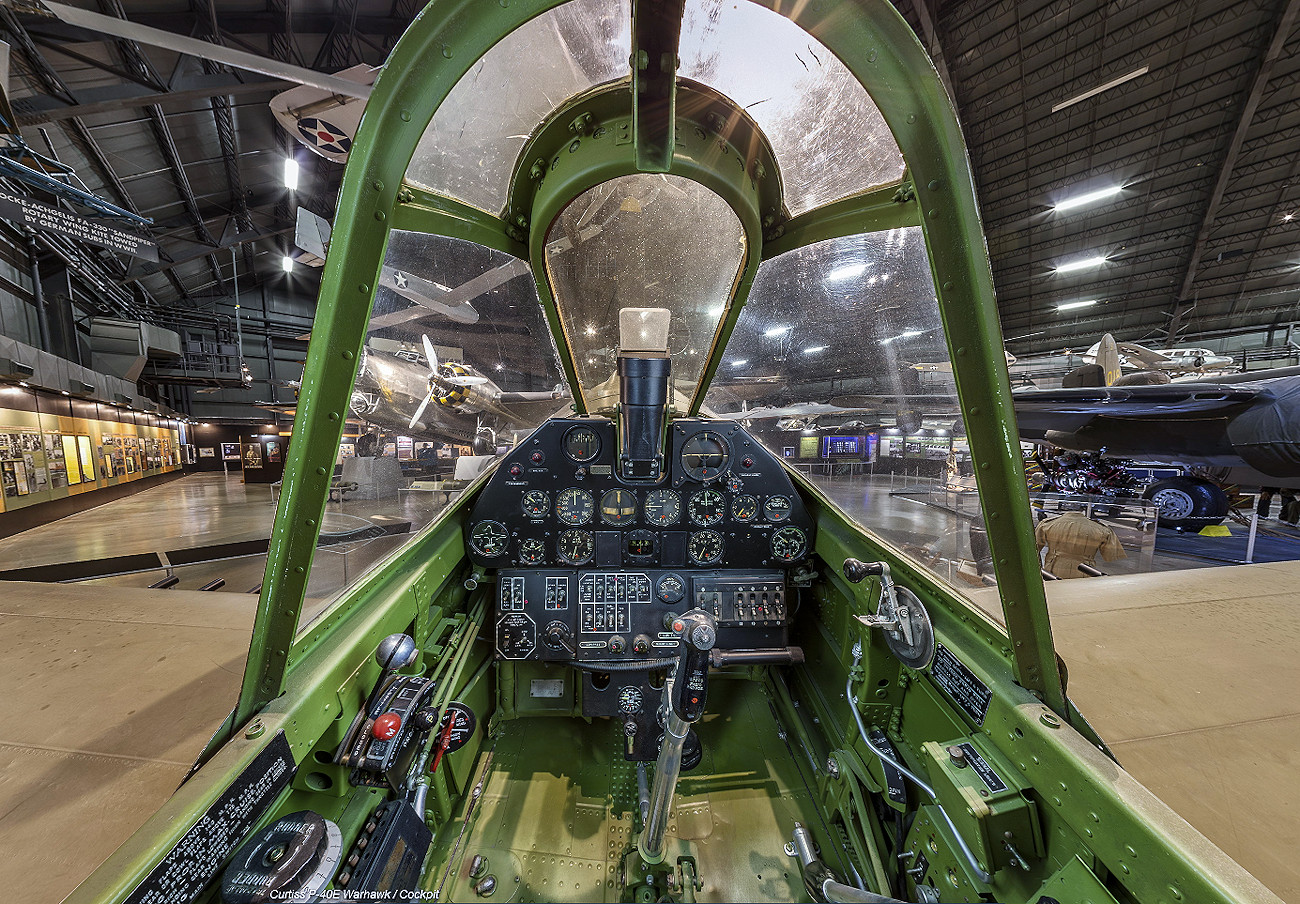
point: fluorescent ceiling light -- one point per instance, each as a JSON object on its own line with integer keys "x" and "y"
{"x": 1081, "y": 264}
{"x": 740, "y": 363}
{"x": 908, "y": 334}
{"x": 1070, "y": 305}
{"x": 847, "y": 272}
{"x": 777, "y": 331}
{"x": 1113, "y": 83}
{"x": 814, "y": 350}
{"x": 286, "y": 263}
{"x": 290, "y": 174}
{"x": 1091, "y": 197}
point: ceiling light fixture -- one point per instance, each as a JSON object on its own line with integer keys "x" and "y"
{"x": 290, "y": 174}
{"x": 741, "y": 363}
{"x": 1081, "y": 264}
{"x": 1113, "y": 83}
{"x": 814, "y": 350}
{"x": 1288, "y": 217}
{"x": 286, "y": 263}
{"x": 1091, "y": 197}
{"x": 776, "y": 331}
{"x": 1071, "y": 305}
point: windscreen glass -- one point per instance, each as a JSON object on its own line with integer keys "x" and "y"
{"x": 643, "y": 241}
{"x": 829, "y": 138}
{"x": 838, "y": 363}
{"x": 458, "y": 365}
{"x": 469, "y": 148}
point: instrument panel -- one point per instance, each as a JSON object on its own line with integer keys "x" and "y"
{"x": 557, "y": 501}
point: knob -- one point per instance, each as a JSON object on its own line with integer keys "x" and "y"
{"x": 559, "y": 637}
{"x": 386, "y": 726}
{"x": 396, "y": 651}
{"x": 641, "y": 644}
{"x": 617, "y": 644}
{"x": 425, "y": 718}
{"x": 629, "y": 728}
{"x": 486, "y": 886}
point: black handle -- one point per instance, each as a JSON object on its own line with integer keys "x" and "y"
{"x": 856, "y": 570}
{"x": 691, "y": 680}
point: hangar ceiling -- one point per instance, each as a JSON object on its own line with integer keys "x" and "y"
{"x": 1191, "y": 108}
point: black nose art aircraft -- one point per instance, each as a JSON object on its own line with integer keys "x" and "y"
{"x": 641, "y": 659}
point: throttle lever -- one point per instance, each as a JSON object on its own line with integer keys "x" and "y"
{"x": 699, "y": 632}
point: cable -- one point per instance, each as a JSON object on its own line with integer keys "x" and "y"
{"x": 642, "y": 666}
{"x": 857, "y": 717}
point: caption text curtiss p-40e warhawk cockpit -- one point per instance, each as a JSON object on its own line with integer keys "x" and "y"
{"x": 641, "y": 657}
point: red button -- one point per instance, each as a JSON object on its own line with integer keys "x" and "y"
{"x": 386, "y": 726}
{"x": 679, "y": 627}
{"x": 516, "y": 470}
{"x": 748, "y": 462}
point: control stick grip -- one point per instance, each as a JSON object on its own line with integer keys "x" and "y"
{"x": 856, "y": 570}
{"x": 699, "y": 633}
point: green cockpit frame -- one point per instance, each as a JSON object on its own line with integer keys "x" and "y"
{"x": 654, "y": 122}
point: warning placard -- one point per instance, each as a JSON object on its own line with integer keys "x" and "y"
{"x": 51, "y": 219}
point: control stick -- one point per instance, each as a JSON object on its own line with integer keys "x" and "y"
{"x": 685, "y": 692}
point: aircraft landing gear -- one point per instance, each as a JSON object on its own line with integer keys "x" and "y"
{"x": 1187, "y": 503}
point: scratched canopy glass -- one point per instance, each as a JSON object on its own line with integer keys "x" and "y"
{"x": 643, "y": 241}
{"x": 458, "y": 364}
{"x": 469, "y": 148}
{"x": 829, "y": 138}
{"x": 838, "y": 363}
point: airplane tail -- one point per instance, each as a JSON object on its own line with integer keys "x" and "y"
{"x": 1104, "y": 371}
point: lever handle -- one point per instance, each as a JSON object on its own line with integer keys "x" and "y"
{"x": 856, "y": 571}
{"x": 699, "y": 632}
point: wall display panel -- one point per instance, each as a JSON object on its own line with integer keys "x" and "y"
{"x": 54, "y": 463}
{"x": 70, "y": 459}
{"x": 230, "y": 451}
{"x": 86, "y": 457}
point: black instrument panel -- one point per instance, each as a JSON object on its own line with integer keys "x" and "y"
{"x": 557, "y": 501}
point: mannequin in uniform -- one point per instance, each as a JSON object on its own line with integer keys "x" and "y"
{"x": 1073, "y": 539}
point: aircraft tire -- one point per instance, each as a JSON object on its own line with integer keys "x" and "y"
{"x": 1185, "y": 503}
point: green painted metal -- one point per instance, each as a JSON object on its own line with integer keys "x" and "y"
{"x": 1101, "y": 831}
{"x": 656, "y": 28}
{"x": 880, "y": 49}
{"x": 424, "y": 66}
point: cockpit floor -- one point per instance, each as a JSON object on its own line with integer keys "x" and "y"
{"x": 558, "y": 808}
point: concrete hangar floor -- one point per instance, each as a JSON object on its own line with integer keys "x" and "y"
{"x": 114, "y": 687}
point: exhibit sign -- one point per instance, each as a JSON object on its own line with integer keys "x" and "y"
{"x": 35, "y": 215}
{"x": 230, "y": 451}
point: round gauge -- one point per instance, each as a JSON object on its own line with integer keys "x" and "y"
{"x": 536, "y": 503}
{"x": 777, "y": 508}
{"x": 734, "y": 483}
{"x": 744, "y": 508}
{"x": 575, "y": 547}
{"x": 704, "y": 456}
{"x": 705, "y": 547}
{"x": 575, "y": 506}
{"x": 532, "y": 552}
{"x": 663, "y": 507}
{"x": 581, "y": 444}
{"x": 488, "y": 538}
{"x": 789, "y": 543}
{"x": 629, "y": 700}
{"x": 707, "y": 507}
{"x": 640, "y": 544}
{"x": 618, "y": 507}
{"x": 671, "y": 588}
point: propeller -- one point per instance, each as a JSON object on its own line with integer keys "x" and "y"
{"x": 436, "y": 377}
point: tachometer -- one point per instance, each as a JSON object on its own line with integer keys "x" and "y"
{"x": 575, "y": 547}
{"x": 777, "y": 508}
{"x": 575, "y": 506}
{"x": 532, "y": 552}
{"x": 618, "y": 507}
{"x": 744, "y": 508}
{"x": 488, "y": 538}
{"x": 704, "y": 456}
{"x": 536, "y": 503}
{"x": 789, "y": 543}
{"x": 663, "y": 507}
{"x": 705, "y": 547}
{"x": 581, "y": 444}
{"x": 707, "y": 507}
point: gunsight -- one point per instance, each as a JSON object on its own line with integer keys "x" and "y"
{"x": 643, "y": 371}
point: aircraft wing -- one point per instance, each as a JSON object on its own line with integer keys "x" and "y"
{"x": 1067, "y": 410}
{"x": 458, "y": 299}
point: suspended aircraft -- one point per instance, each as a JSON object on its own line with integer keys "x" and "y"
{"x": 641, "y": 659}
{"x": 1173, "y": 361}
